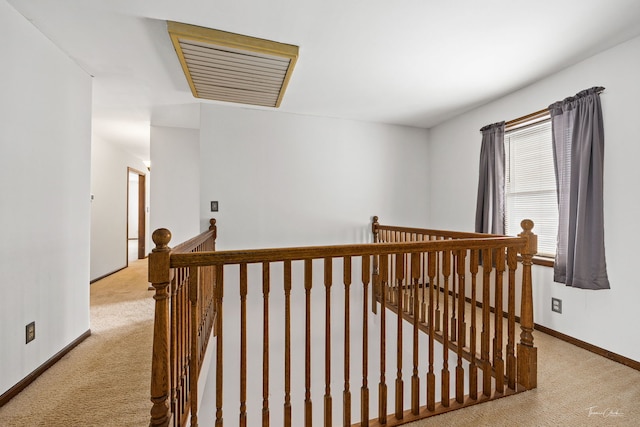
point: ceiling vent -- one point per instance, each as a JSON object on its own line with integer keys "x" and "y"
{"x": 231, "y": 67}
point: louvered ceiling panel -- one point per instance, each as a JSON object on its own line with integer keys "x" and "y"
{"x": 231, "y": 67}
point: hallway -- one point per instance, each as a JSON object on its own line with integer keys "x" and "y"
{"x": 104, "y": 380}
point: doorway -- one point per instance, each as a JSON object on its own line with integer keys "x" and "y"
{"x": 136, "y": 184}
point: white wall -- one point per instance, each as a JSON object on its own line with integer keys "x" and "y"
{"x": 293, "y": 180}
{"x": 45, "y": 105}
{"x": 175, "y": 182}
{"x": 601, "y": 318}
{"x": 289, "y": 180}
{"x": 109, "y": 183}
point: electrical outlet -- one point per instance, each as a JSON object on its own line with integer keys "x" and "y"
{"x": 30, "y": 332}
{"x": 556, "y": 305}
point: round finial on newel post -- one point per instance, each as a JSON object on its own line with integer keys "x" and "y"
{"x": 161, "y": 237}
{"x": 212, "y": 224}
{"x": 527, "y": 225}
{"x": 532, "y": 243}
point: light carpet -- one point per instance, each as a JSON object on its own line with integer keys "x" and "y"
{"x": 105, "y": 380}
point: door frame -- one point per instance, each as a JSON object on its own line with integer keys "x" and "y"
{"x": 141, "y": 213}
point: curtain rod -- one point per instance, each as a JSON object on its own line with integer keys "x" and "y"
{"x": 528, "y": 117}
{"x": 533, "y": 116}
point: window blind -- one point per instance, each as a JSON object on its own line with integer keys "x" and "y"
{"x": 530, "y": 186}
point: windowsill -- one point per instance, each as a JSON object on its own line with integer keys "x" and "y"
{"x": 541, "y": 260}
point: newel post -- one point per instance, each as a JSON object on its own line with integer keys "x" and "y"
{"x": 160, "y": 277}
{"x": 375, "y": 226}
{"x": 213, "y": 227}
{"x": 375, "y": 293}
{"x": 527, "y": 353}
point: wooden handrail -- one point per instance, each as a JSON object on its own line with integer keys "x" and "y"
{"x": 429, "y": 278}
{"x": 193, "y": 243}
{"x": 255, "y": 256}
{"x": 376, "y": 227}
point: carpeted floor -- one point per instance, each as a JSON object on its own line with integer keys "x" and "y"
{"x": 105, "y": 380}
{"x": 575, "y": 388}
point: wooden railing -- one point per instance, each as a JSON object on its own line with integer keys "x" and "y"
{"x": 185, "y": 314}
{"x": 442, "y": 278}
{"x": 335, "y": 337}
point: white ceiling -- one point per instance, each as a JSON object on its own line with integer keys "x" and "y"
{"x": 408, "y": 62}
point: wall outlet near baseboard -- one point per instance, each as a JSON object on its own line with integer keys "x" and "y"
{"x": 30, "y": 330}
{"x": 556, "y": 305}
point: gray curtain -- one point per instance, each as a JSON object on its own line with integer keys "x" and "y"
{"x": 578, "y": 144}
{"x": 490, "y": 203}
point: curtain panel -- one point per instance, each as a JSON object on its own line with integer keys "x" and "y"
{"x": 578, "y": 144}
{"x": 490, "y": 202}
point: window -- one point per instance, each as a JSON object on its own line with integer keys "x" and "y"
{"x": 530, "y": 187}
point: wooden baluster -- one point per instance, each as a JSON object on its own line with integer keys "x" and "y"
{"x": 382, "y": 387}
{"x": 399, "y": 382}
{"x": 409, "y": 283}
{"x": 454, "y": 295}
{"x": 527, "y": 353}
{"x": 185, "y": 335}
{"x": 512, "y": 262}
{"x": 243, "y": 345}
{"x": 431, "y": 377}
{"x": 213, "y": 280}
{"x": 487, "y": 265}
{"x": 328, "y": 278}
{"x": 415, "y": 379}
{"x": 185, "y": 338}
{"x": 287, "y": 343}
{"x": 393, "y": 294}
{"x": 174, "y": 349}
{"x": 346, "y": 394}
{"x": 266, "y": 287}
{"x": 398, "y": 291}
{"x": 446, "y": 272}
{"x": 425, "y": 283}
{"x": 194, "y": 364}
{"x": 219, "y": 343}
{"x": 364, "y": 392}
{"x": 160, "y": 277}
{"x": 406, "y": 293}
{"x": 473, "y": 367}
{"x": 308, "y": 281}
{"x": 462, "y": 331}
{"x": 438, "y": 314}
{"x": 498, "y": 362}
{"x": 461, "y": 326}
